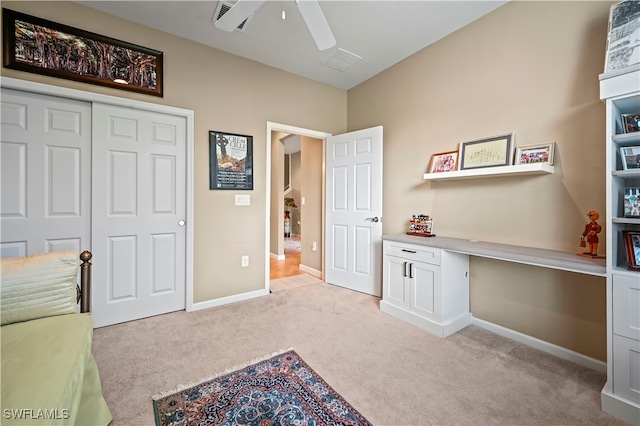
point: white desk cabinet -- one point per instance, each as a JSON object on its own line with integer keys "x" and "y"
{"x": 426, "y": 286}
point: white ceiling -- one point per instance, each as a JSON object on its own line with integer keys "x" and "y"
{"x": 382, "y": 33}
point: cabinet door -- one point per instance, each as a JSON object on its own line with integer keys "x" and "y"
{"x": 395, "y": 290}
{"x": 626, "y": 368}
{"x": 424, "y": 290}
{"x": 626, "y": 306}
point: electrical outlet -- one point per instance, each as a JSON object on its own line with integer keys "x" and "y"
{"x": 314, "y": 246}
{"x": 245, "y": 261}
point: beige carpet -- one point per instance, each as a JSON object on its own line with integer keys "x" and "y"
{"x": 295, "y": 281}
{"x": 392, "y": 372}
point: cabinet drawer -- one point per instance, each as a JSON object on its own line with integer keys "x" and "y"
{"x": 626, "y": 306}
{"x": 413, "y": 252}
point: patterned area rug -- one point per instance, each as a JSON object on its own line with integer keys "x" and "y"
{"x": 281, "y": 390}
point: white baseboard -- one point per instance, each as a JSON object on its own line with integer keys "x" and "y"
{"x": 277, "y": 256}
{"x": 230, "y": 299}
{"x": 556, "y": 350}
{"x": 619, "y": 407}
{"x": 311, "y": 271}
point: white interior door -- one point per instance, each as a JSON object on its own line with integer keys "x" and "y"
{"x": 354, "y": 210}
{"x": 45, "y": 174}
{"x": 139, "y": 206}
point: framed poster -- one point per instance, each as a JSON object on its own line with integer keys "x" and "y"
{"x": 230, "y": 161}
{"x": 623, "y": 44}
{"x": 44, "y": 47}
{"x": 444, "y": 162}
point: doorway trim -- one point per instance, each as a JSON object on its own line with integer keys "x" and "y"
{"x": 47, "y": 89}
{"x": 278, "y": 127}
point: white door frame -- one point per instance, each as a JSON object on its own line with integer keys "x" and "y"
{"x": 46, "y": 89}
{"x": 285, "y": 128}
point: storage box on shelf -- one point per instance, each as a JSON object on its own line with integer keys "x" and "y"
{"x": 621, "y": 395}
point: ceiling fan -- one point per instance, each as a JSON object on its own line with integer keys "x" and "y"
{"x": 309, "y": 9}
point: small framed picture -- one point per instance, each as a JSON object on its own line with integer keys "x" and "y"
{"x": 632, "y": 202}
{"x": 488, "y": 152}
{"x": 444, "y": 162}
{"x": 630, "y": 157}
{"x": 631, "y": 122}
{"x": 632, "y": 244}
{"x": 537, "y": 153}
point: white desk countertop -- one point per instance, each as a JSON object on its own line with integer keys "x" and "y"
{"x": 554, "y": 259}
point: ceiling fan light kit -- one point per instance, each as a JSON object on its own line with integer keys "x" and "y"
{"x": 241, "y": 11}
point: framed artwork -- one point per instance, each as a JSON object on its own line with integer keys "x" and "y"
{"x": 632, "y": 245}
{"x": 631, "y": 122}
{"x": 444, "y": 162}
{"x": 488, "y": 152}
{"x": 44, "y": 47}
{"x": 623, "y": 44}
{"x": 230, "y": 161}
{"x": 630, "y": 156}
{"x": 536, "y": 153}
{"x": 631, "y": 202}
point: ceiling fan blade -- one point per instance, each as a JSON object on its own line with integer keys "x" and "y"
{"x": 238, "y": 13}
{"x": 317, "y": 23}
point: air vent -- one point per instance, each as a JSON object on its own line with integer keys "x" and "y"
{"x": 223, "y": 7}
{"x": 341, "y": 60}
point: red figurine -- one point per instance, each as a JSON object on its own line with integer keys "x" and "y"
{"x": 591, "y": 231}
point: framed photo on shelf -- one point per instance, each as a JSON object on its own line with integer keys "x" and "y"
{"x": 630, "y": 156}
{"x": 44, "y": 47}
{"x": 632, "y": 202}
{"x": 230, "y": 161}
{"x": 632, "y": 245}
{"x": 631, "y": 122}
{"x": 488, "y": 152}
{"x": 444, "y": 162}
{"x": 536, "y": 153}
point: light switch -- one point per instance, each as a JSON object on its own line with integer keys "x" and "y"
{"x": 302, "y": 201}
{"x": 243, "y": 199}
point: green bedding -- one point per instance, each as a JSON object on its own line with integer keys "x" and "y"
{"x": 49, "y": 375}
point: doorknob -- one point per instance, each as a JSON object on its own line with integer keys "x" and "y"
{"x": 181, "y": 222}
{"x": 373, "y": 219}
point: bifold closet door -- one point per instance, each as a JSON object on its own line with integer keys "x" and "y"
{"x": 45, "y": 174}
{"x": 138, "y": 213}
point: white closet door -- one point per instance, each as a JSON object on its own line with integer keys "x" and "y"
{"x": 138, "y": 214}
{"x": 45, "y": 173}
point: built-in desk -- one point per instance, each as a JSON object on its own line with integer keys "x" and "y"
{"x": 553, "y": 259}
{"x": 426, "y": 283}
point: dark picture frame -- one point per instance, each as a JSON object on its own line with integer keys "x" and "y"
{"x": 632, "y": 245}
{"x": 487, "y": 152}
{"x": 230, "y": 161}
{"x": 631, "y": 122}
{"x": 44, "y": 47}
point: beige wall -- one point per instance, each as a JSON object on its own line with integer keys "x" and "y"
{"x": 311, "y": 167}
{"x": 530, "y": 68}
{"x": 228, "y": 94}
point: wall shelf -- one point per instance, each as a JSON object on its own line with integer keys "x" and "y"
{"x": 519, "y": 170}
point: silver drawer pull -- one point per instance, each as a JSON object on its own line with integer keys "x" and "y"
{"x": 408, "y": 251}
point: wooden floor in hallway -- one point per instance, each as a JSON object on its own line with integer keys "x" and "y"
{"x": 288, "y": 267}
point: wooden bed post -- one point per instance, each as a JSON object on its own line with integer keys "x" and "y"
{"x": 85, "y": 281}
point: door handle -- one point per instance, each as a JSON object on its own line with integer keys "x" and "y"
{"x": 181, "y": 222}
{"x": 373, "y": 219}
{"x": 404, "y": 269}
{"x": 411, "y": 270}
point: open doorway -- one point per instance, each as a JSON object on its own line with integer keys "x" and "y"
{"x": 295, "y": 240}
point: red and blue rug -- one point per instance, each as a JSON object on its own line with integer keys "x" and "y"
{"x": 281, "y": 390}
